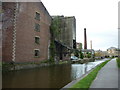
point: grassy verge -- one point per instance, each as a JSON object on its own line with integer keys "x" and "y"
{"x": 86, "y": 81}
{"x": 118, "y": 62}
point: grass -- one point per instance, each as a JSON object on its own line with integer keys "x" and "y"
{"x": 63, "y": 62}
{"x": 86, "y": 81}
{"x": 118, "y": 62}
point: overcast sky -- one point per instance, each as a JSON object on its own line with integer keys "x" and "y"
{"x": 99, "y": 17}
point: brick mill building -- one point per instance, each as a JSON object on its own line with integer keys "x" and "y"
{"x": 25, "y": 32}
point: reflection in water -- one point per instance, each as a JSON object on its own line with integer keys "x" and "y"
{"x": 77, "y": 70}
{"x": 46, "y": 77}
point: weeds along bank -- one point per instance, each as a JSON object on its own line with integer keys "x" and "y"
{"x": 21, "y": 66}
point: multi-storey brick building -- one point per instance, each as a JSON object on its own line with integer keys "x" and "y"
{"x": 26, "y": 32}
{"x": 0, "y": 31}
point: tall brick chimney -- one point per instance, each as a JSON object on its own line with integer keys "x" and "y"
{"x": 85, "y": 39}
{"x": 91, "y": 44}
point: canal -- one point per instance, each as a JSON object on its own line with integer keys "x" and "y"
{"x": 46, "y": 77}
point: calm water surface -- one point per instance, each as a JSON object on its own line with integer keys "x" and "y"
{"x": 46, "y": 77}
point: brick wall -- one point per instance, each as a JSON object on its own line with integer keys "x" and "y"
{"x": 7, "y": 30}
{"x": 25, "y": 33}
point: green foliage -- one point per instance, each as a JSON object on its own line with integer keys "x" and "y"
{"x": 86, "y": 81}
{"x": 47, "y": 62}
{"x": 56, "y": 26}
{"x": 118, "y": 62}
{"x": 55, "y": 30}
{"x": 76, "y": 53}
{"x": 6, "y": 66}
{"x": 81, "y": 55}
{"x": 52, "y": 51}
{"x": 63, "y": 62}
{"x": 112, "y": 56}
{"x": 89, "y": 55}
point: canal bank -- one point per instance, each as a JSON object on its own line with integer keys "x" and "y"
{"x": 84, "y": 76}
{"x": 30, "y": 65}
{"x": 6, "y": 66}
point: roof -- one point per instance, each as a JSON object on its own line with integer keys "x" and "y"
{"x": 112, "y": 48}
{"x": 46, "y": 10}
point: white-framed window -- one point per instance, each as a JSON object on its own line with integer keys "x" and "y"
{"x": 37, "y": 39}
{"x": 36, "y": 53}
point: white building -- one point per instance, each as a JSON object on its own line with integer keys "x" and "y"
{"x": 112, "y": 51}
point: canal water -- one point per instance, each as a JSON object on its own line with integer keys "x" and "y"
{"x": 46, "y": 77}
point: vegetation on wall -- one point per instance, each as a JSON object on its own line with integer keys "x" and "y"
{"x": 55, "y": 30}
{"x": 52, "y": 51}
{"x": 56, "y": 27}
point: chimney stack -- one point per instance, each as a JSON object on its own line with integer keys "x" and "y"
{"x": 85, "y": 39}
{"x": 91, "y": 44}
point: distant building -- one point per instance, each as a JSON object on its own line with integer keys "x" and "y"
{"x": 25, "y": 32}
{"x": 98, "y": 54}
{"x": 105, "y": 53}
{"x": 112, "y": 51}
{"x": 79, "y": 46}
{"x": 67, "y": 30}
{"x": 65, "y": 35}
{"x": 70, "y": 28}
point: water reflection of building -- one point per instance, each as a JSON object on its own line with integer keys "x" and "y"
{"x": 26, "y": 32}
{"x": 77, "y": 70}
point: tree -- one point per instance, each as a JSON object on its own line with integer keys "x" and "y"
{"x": 76, "y": 53}
{"x": 89, "y": 55}
{"x": 81, "y": 55}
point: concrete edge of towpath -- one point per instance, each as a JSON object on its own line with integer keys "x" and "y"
{"x": 78, "y": 79}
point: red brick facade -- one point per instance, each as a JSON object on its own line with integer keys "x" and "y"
{"x": 7, "y": 30}
{"x": 25, "y": 33}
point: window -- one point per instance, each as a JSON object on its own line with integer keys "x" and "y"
{"x": 37, "y": 53}
{"x": 37, "y": 40}
{"x": 37, "y": 27}
{"x": 37, "y": 16}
